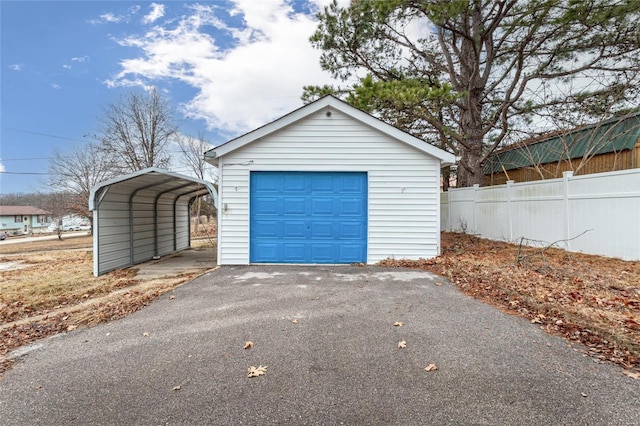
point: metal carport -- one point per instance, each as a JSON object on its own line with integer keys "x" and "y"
{"x": 139, "y": 216}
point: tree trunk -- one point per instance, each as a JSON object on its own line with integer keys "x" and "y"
{"x": 446, "y": 178}
{"x": 470, "y": 170}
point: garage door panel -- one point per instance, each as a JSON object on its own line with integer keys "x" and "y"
{"x": 322, "y": 183}
{"x": 308, "y": 217}
{"x": 350, "y": 252}
{"x": 294, "y": 205}
{"x": 267, "y": 228}
{"x": 293, "y": 183}
{"x": 294, "y": 253}
{"x": 322, "y": 206}
{"x": 295, "y": 229}
{"x": 322, "y": 253}
{"x": 267, "y": 205}
{"x": 272, "y": 183}
{"x": 351, "y": 230}
{"x": 322, "y": 229}
{"x": 268, "y": 252}
{"x": 351, "y": 186}
{"x": 350, "y": 207}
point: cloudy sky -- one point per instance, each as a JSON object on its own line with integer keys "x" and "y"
{"x": 226, "y": 66}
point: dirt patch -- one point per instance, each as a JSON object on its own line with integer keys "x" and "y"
{"x": 589, "y": 299}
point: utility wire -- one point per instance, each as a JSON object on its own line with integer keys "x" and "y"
{"x": 23, "y": 173}
{"x": 42, "y": 134}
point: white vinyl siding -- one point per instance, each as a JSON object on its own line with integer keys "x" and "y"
{"x": 403, "y": 210}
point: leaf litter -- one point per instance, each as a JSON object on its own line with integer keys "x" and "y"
{"x": 254, "y": 371}
{"x": 593, "y": 300}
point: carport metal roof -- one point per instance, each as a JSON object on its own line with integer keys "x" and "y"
{"x": 130, "y": 207}
{"x": 156, "y": 180}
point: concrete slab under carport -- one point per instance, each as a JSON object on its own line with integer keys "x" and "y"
{"x": 183, "y": 262}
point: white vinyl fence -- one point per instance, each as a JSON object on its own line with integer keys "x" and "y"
{"x": 603, "y": 207}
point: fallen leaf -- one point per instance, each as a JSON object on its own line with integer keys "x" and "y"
{"x": 430, "y": 367}
{"x": 72, "y": 327}
{"x": 632, "y": 375}
{"x": 295, "y": 321}
{"x": 438, "y": 284}
{"x": 402, "y": 344}
{"x": 176, "y": 388}
{"x": 256, "y": 371}
{"x": 584, "y": 395}
{"x": 248, "y": 345}
{"x": 145, "y": 334}
{"x": 398, "y": 324}
{"x": 172, "y": 297}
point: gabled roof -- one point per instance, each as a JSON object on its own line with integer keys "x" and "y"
{"x": 327, "y": 101}
{"x": 21, "y": 211}
{"x": 613, "y": 135}
{"x": 157, "y": 181}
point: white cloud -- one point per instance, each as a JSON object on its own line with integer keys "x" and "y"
{"x": 80, "y": 58}
{"x": 15, "y": 67}
{"x": 157, "y": 12}
{"x": 56, "y": 86}
{"x": 66, "y": 66}
{"x": 245, "y": 75}
{"x": 110, "y": 17}
{"x": 2, "y": 169}
{"x": 107, "y": 17}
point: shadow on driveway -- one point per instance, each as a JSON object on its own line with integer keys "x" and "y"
{"x": 181, "y": 360}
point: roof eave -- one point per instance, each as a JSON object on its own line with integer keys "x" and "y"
{"x": 212, "y": 155}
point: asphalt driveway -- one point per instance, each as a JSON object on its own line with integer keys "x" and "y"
{"x": 327, "y": 337}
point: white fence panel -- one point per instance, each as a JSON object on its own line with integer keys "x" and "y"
{"x": 604, "y": 206}
{"x": 461, "y": 209}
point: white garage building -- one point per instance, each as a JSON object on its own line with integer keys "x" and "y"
{"x": 327, "y": 183}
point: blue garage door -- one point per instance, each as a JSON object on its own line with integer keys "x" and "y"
{"x": 308, "y": 217}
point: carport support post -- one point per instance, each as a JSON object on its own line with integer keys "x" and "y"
{"x": 96, "y": 244}
{"x": 175, "y": 224}
{"x": 131, "y": 227}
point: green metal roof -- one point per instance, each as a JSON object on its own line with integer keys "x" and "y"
{"x": 611, "y": 136}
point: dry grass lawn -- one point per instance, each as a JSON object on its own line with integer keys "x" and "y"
{"x": 54, "y": 290}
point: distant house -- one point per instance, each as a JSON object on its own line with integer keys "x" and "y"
{"x": 603, "y": 147}
{"x": 24, "y": 219}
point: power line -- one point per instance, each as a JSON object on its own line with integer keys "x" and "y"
{"x": 23, "y": 173}
{"x": 25, "y": 159}
{"x": 42, "y": 134}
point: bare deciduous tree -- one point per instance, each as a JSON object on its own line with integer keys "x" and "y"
{"x": 137, "y": 131}
{"x": 193, "y": 150}
{"x": 76, "y": 172}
